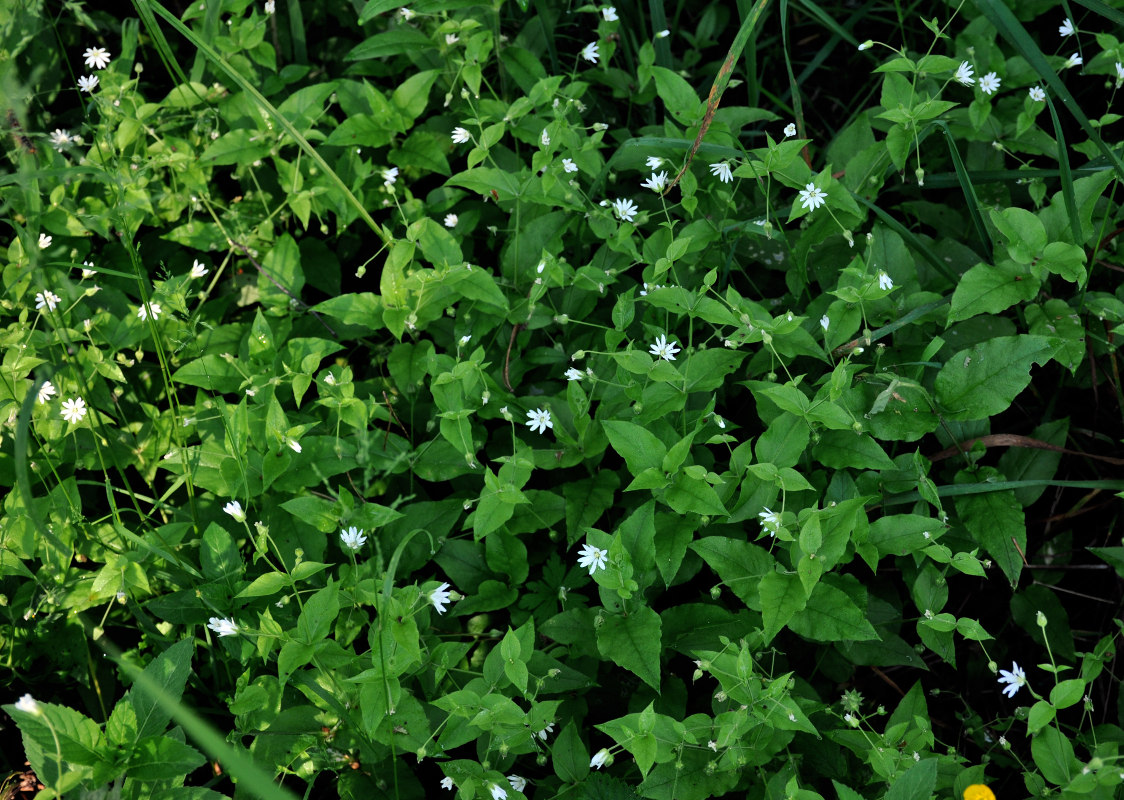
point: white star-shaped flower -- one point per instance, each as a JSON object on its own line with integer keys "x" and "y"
{"x": 885, "y": 283}
{"x": 653, "y": 162}
{"x": 223, "y": 626}
{"x": 568, "y": 165}
{"x": 28, "y": 705}
{"x": 389, "y": 176}
{"x": 197, "y": 270}
{"x": 656, "y": 182}
{"x": 1066, "y": 28}
{"x": 989, "y": 83}
{"x": 812, "y": 197}
{"x": 589, "y": 52}
{"x": 547, "y": 730}
{"x": 96, "y": 58}
{"x": 270, "y": 6}
{"x": 234, "y": 508}
{"x": 451, "y": 38}
{"x": 461, "y": 135}
{"x": 664, "y": 349}
{"x": 824, "y": 322}
{"x": 45, "y": 241}
{"x": 770, "y": 521}
{"x": 447, "y": 783}
{"x": 625, "y": 209}
{"x": 46, "y": 299}
{"x": 609, "y": 13}
{"x": 599, "y": 758}
{"x": 790, "y": 130}
{"x": 545, "y": 138}
{"x": 722, "y": 171}
{"x": 517, "y": 782}
{"x": 451, "y": 220}
{"x": 407, "y": 14}
{"x": 593, "y": 557}
{"x": 1037, "y": 94}
{"x": 1074, "y": 60}
{"x": 352, "y": 538}
{"x": 88, "y": 270}
{"x": 46, "y": 392}
{"x": 294, "y": 445}
{"x": 538, "y": 420}
{"x": 149, "y": 308}
{"x": 498, "y": 792}
{"x": 1015, "y": 679}
{"x": 440, "y": 597}
{"x": 60, "y": 138}
{"x": 574, "y": 374}
{"x": 87, "y": 83}
{"x": 964, "y": 74}
{"x": 74, "y": 410}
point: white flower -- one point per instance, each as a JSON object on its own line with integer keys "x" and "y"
{"x": 460, "y": 136}
{"x": 234, "y": 508}
{"x": 574, "y": 374}
{"x": 407, "y": 14}
{"x": 568, "y": 165}
{"x": 600, "y": 126}
{"x": 989, "y": 83}
{"x": 517, "y": 783}
{"x": 790, "y": 130}
{"x": 869, "y": 43}
{"x": 1119, "y": 73}
{"x": 851, "y": 720}
{"x": 28, "y": 705}
{"x": 88, "y": 270}
{"x": 46, "y": 392}
{"x": 650, "y": 287}
{"x": 74, "y": 410}
{"x": 656, "y": 182}
{"x": 498, "y": 792}
{"x": 294, "y": 445}
{"x": 884, "y": 282}
{"x": 720, "y": 422}
{"x": 440, "y": 597}
{"x": 197, "y": 270}
{"x": 663, "y": 34}
{"x": 713, "y": 745}
{"x": 1066, "y": 28}
{"x": 48, "y": 299}
{"x": 548, "y": 729}
{"x": 593, "y": 557}
{"x": 96, "y": 58}
{"x": 1037, "y": 94}
{"x": 812, "y": 197}
{"x": 545, "y": 138}
{"x": 770, "y": 521}
{"x": 824, "y": 322}
{"x": 624, "y": 209}
{"x": 44, "y": 241}
{"x": 223, "y": 626}
{"x": 664, "y": 349}
{"x": 450, "y": 220}
{"x": 609, "y": 13}
{"x": 60, "y": 138}
{"x": 722, "y": 171}
{"x": 147, "y": 308}
{"x": 87, "y": 83}
{"x": 451, "y": 38}
{"x": 270, "y": 6}
{"x": 447, "y": 783}
{"x": 352, "y": 538}
{"x": 465, "y": 339}
{"x": 1015, "y": 679}
{"x": 539, "y": 420}
{"x": 1074, "y": 60}
{"x": 389, "y": 176}
{"x": 589, "y": 52}
{"x": 653, "y": 162}
{"x": 964, "y": 74}
{"x": 599, "y": 758}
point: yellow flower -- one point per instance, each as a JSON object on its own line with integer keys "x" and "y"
{"x": 977, "y": 791}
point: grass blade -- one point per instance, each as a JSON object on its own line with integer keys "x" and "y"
{"x": 1066, "y": 174}
{"x": 968, "y": 189}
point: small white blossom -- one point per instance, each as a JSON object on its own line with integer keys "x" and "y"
{"x": 1119, "y": 73}
{"x": 451, "y": 220}
{"x": 589, "y": 52}
{"x": 198, "y": 270}
{"x": 87, "y": 83}
{"x": 460, "y": 136}
{"x": 234, "y": 508}
{"x": 547, "y": 730}
{"x": 656, "y": 182}
{"x": 440, "y": 597}
{"x": 663, "y": 348}
{"x": 447, "y": 783}
{"x": 1066, "y": 28}
{"x": 149, "y": 308}
{"x": 294, "y": 445}
{"x": 625, "y": 209}
{"x": 46, "y": 299}
{"x": 964, "y": 74}
{"x": 609, "y": 13}
{"x": 46, "y": 392}
{"x": 451, "y": 38}
{"x": 568, "y": 165}
{"x": 223, "y": 626}
{"x": 539, "y": 420}
{"x": 885, "y": 283}
{"x": 573, "y": 374}
{"x": 722, "y": 171}
{"x": 989, "y": 83}
{"x": 407, "y": 14}
{"x": 812, "y": 197}
{"x": 545, "y": 138}
{"x": 1037, "y": 94}
{"x": 28, "y": 705}
{"x": 599, "y": 759}
{"x": 352, "y": 538}
{"x": 1074, "y": 60}
{"x": 770, "y": 521}
{"x": 270, "y": 6}
{"x": 389, "y": 176}
{"x": 498, "y": 792}
{"x": 96, "y": 58}
{"x": 653, "y": 162}
{"x": 824, "y": 322}
{"x": 869, "y": 43}
{"x": 517, "y": 782}
{"x": 1015, "y": 679}
{"x": 45, "y": 241}
{"x": 465, "y": 339}
{"x": 663, "y": 34}
{"x": 790, "y": 130}
{"x": 60, "y": 138}
{"x": 74, "y": 410}
{"x": 720, "y": 422}
{"x": 593, "y": 557}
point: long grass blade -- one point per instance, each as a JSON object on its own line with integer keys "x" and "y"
{"x": 968, "y": 190}
{"x": 1066, "y": 174}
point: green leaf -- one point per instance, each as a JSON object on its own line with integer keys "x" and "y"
{"x": 638, "y": 446}
{"x": 318, "y": 512}
{"x": 160, "y": 758}
{"x": 1067, "y": 693}
{"x": 982, "y": 380}
{"x": 219, "y": 555}
{"x": 916, "y": 783}
{"x": 677, "y": 95}
{"x": 987, "y": 289}
{"x": 633, "y": 642}
{"x": 265, "y": 585}
{"x": 688, "y": 494}
{"x": 569, "y": 757}
{"x": 319, "y": 613}
{"x": 996, "y": 521}
{"x": 1053, "y": 755}
{"x": 170, "y": 671}
{"x": 739, "y": 564}
{"x": 782, "y": 595}
{"x": 842, "y": 449}
{"x": 1026, "y": 235}
{"x": 1041, "y": 715}
{"x": 830, "y": 615}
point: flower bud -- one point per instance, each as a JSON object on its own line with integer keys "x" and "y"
{"x": 920, "y": 173}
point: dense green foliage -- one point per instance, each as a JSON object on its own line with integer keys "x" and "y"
{"x": 541, "y": 400}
